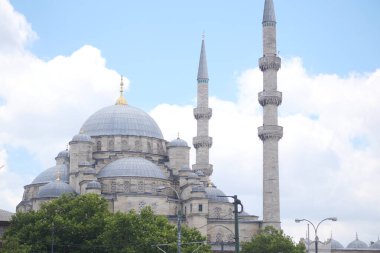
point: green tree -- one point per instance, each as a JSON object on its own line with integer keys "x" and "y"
{"x": 272, "y": 240}
{"x": 69, "y": 224}
{"x": 134, "y": 233}
{"x": 73, "y": 224}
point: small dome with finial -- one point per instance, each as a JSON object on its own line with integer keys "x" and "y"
{"x": 357, "y": 244}
{"x": 178, "y": 143}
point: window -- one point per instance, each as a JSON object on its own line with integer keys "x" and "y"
{"x": 191, "y": 208}
{"x": 98, "y": 145}
{"x": 200, "y": 207}
{"x": 111, "y": 145}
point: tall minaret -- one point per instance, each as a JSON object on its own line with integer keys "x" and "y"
{"x": 270, "y": 133}
{"x": 202, "y": 142}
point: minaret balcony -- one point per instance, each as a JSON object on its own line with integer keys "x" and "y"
{"x": 270, "y": 62}
{"x": 202, "y": 142}
{"x": 202, "y": 113}
{"x": 207, "y": 169}
{"x": 271, "y": 97}
{"x": 270, "y": 132}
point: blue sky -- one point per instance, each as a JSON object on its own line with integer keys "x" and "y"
{"x": 60, "y": 61}
{"x": 160, "y": 39}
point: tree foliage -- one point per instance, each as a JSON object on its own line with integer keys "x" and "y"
{"x": 272, "y": 240}
{"x": 72, "y": 224}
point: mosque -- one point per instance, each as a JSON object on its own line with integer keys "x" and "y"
{"x": 121, "y": 154}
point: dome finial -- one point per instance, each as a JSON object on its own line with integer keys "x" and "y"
{"x": 121, "y": 100}
{"x": 178, "y": 135}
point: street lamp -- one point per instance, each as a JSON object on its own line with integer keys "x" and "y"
{"x": 236, "y": 212}
{"x": 179, "y": 214}
{"x": 316, "y": 228}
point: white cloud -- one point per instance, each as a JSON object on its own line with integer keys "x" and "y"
{"x": 328, "y": 156}
{"x": 43, "y": 103}
{"x": 15, "y": 31}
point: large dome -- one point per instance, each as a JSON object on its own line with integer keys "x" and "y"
{"x": 132, "y": 167}
{"x": 121, "y": 120}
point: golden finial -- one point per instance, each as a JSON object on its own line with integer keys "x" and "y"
{"x": 121, "y": 100}
{"x": 209, "y": 183}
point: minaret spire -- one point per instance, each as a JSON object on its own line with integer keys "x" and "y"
{"x": 202, "y": 69}
{"x": 270, "y": 133}
{"x": 269, "y": 14}
{"x": 202, "y": 113}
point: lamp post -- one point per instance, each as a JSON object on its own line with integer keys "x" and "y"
{"x": 236, "y": 212}
{"x": 179, "y": 214}
{"x": 316, "y": 228}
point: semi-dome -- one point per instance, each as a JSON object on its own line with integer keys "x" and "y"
{"x": 177, "y": 143}
{"x": 93, "y": 185}
{"x": 213, "y": 194}
{"x": 357, "y": 244}
{"x": 54, "y": 189}
{"x": 81, "y": 137}
{"x": 52, "y": 173}
{"x": 121, "y": 119}
{"x": 335, "y": 244}
{"x": 132, "y": 167}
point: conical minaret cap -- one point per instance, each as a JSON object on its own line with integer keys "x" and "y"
{"x": 269, "y": 14}
{"x": 202, "y": 70}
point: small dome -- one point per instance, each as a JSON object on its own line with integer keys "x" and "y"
{"x": 93, "y": 185}
{"x": 335, "y": 244}
{"x": 213, "y": 194}
{"x": 89, "y": 171}
{"x": 82, "y": 138}
{"x": 63, "y": 154}
{"x": 177, "y": 143}
{"x": 121, "y": 120}
{"x": 54, "y": 189}
{"x": 132, "y": 167}
{"x": 376, "y": 245}
{"x": 51, "y": 174}
{"x": 357, "y": 244}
